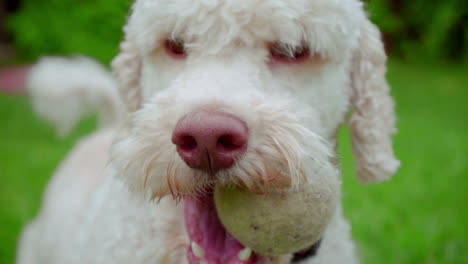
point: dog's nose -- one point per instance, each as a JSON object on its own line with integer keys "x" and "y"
{"x": 210, "y": 141}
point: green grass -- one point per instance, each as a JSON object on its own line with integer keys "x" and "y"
{"x": 29, "y": 153}
{"x": 418, "y": 217}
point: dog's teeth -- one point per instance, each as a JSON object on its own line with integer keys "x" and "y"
{"x": 245, "y": 254}
{"x": 197, "y": 250}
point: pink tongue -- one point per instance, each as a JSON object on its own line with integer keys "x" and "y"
{"x": 205, "y": 228}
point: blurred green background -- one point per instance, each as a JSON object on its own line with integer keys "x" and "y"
{"x": 420, "y": 216}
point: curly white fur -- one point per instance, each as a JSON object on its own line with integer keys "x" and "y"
{"x": 373, "y": 120}
{"x": 292, "y": 112}
{"x": 280, "y": 135}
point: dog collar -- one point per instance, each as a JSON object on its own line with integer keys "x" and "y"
{"x": 306, "y": 253}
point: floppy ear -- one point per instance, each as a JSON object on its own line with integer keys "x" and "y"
{"x": 127, "y": 67}
{"x": 373, "y": 121}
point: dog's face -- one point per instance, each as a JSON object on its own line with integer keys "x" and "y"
{"x": 249, "y": 93}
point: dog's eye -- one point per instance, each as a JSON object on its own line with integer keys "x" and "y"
{"x": 175, "y": 48}
{"x": 285, "y": 53}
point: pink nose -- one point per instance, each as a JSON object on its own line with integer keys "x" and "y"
{"x": 210, "y": 141}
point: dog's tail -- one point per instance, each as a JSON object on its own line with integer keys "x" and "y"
{"x": 64, "y": 90}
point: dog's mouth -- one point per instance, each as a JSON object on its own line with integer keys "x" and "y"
{"x": 210, "y": 242}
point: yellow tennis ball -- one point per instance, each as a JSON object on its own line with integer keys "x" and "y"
{"x": 277, "y": 223}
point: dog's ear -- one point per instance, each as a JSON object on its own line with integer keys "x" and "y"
{"x": 127, "y": 67}
{"x": 373, "y": 120}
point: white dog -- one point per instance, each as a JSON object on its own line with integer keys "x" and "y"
{"x": 216, "y": 92}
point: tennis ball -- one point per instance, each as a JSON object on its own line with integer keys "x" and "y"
{"x": 277, "y": 223}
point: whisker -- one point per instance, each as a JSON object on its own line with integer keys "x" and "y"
{"x": 147, "y": 170}
{"x": 169, "y": 178}
{"x": 175, "y": 177}
{"x": 264, "y": 177}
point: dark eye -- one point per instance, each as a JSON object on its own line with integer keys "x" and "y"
{"x": 175, "y": 48}
{"x": 285, "y": 53}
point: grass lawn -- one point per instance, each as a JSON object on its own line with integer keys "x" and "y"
{"x": 418, "y": 217}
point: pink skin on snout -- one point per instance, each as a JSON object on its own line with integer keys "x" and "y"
{"x": 210, "y": 141}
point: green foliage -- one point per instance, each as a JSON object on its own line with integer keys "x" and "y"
{"x": 424, "y": 29}
{"x": 90, "y": 27}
